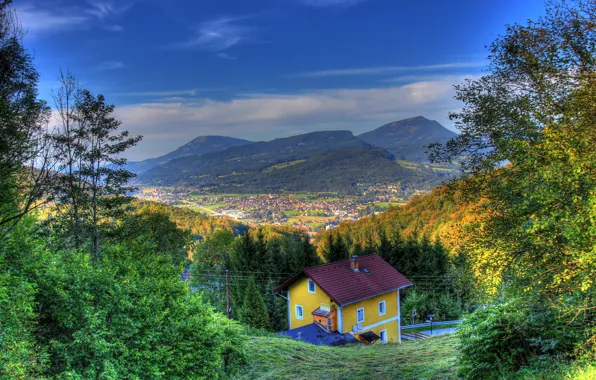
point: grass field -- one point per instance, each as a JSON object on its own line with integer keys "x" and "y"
{"x": 279, "y": 358}
{"x": 284, "y": 165}
{"x": 387, "y": 204}
{"x": 302, "y": 218}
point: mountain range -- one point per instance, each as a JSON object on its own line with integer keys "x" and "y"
{"x": 407, "y": 138}
{"x": 329, "y": 161}
{"x": 200, "y": 145}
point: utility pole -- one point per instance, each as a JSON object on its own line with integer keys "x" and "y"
{"x": 228, "y": 309}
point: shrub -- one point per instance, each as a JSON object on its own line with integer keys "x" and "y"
{"x": 127, "y": 315}
{"x": 498, "y": 340}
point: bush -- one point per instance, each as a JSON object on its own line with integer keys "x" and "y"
{"x": 20, "y": 355}
{"x": 127, "y": 315}
{"x": 499, "y": 340}
{"x": 124, "y": 315}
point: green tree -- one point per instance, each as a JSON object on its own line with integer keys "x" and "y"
{"x": 25, "y": 164}
{"x": 254, "y": 312}
{"x": 210, "y": 261}
{"x": 21, "y": 355}
{"x": 277, "y": 307}
{"x": 154, "y": 224}
{"x": 89, "y": 148}
{"x": 527, "y": 143}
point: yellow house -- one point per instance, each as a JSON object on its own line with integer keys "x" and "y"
{"x": 349, "y": 300}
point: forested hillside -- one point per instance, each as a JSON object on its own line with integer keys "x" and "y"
{"x": 331, "y": 161}
{"x": 199, "y": 146}
{"x": 200, "y": 225}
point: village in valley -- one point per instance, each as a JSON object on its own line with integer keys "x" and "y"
{"x": 313, "y": 212}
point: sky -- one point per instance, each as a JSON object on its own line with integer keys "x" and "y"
{"x": 263, "y": 69}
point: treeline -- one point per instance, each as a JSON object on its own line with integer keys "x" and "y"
{"x": 200, "y": 225}
{"x": 257, "y": 261}
{"x": 415, "y": 240}
{"x": 93, "y": 289}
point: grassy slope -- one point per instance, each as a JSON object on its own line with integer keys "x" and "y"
{"x": 279, "y": 358}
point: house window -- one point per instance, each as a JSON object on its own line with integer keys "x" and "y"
{"x": 299, "y": 312}
{"x": 360, "y": 315}
{"x": 382, "y": 308}
{"x": 312, "y": 288}
{"x": 383, "y": 335}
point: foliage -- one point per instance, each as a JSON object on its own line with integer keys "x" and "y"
{"x": 534, "y": 111}
{"x": 21, "y": 356}
{"x": 527, "y": 144}
{"x": 499, "y": 340}
{"x": 67, "y": 311}
{"x": 266, "y": 255}
{"x": 23, "y": 118}
{"x": 254, "y": 311}
{"x": 200, "y": 225}
{"x": 155, "y": 225}
{"x": 127, "y": 316}
{"x": 88, "y": 148}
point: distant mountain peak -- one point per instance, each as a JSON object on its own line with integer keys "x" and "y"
{"x": 198, "y": 146}
{"x": 407, "y": 138}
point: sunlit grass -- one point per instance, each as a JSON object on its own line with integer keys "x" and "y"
{"x": 279, "y": 358}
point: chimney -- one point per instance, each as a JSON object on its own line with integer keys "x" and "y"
{"x": 354, "y": 264}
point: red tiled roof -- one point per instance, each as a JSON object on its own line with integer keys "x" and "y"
{"x": 345, "y": 286}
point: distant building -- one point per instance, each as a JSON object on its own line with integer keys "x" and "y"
{"x": 350, "y": 300}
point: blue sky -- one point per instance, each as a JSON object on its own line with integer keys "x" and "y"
{"x": 261, "y": 69}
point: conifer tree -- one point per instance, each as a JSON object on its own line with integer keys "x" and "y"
{"x": 277, "y": 307}
{"x": 385, "y": 248}
{"x": 254, "y": 312}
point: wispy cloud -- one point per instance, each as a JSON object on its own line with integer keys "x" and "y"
{"x": 227, "y": 56}
{"x": 52, "y": 17}
{"x": 174, "y": 93}
{"x": 110, "y": 65}
{"x": 35, "y": 19}
{"x": 114, "y": 28}
{"x": 330, "y": 3}
{"x": 220, "y": 34}
{"x": 383, "y": 70}
{"x": 265, "y": 116}
{"x": 104, "y": 9}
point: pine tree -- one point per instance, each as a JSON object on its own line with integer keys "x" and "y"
{"x": 254, "y": 312}
{"x": 385, "y": 249}
{"x": 327, "y": 247}
{"x": 277, "y": 307}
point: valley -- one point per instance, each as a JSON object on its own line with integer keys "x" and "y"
{"x": 312, "y": 212}
{"x": 312, "y": 181}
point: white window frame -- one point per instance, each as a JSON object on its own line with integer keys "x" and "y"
{"x": 301, "y": 317}
{"x": 357, "y": 313}
{"x": 384, "y": 308}
{"x": 381, "y": 336}
{"x": 313, "y": 284}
